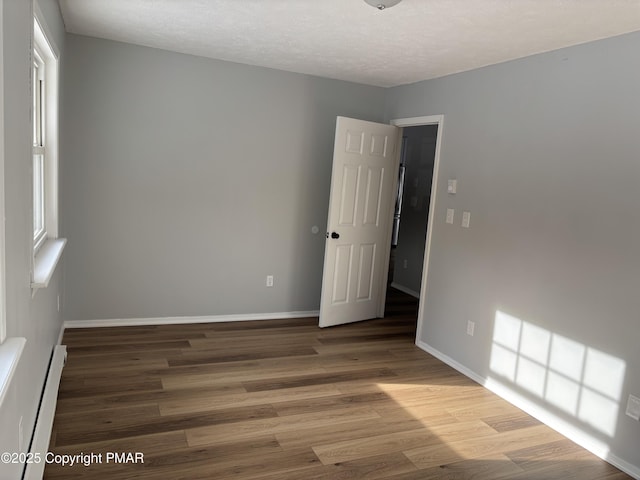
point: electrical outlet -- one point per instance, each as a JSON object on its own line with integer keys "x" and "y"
{"x": 405, "y": 264}
{"x": 633, "y": 407}
{"x": 471, "y": 326}
{"x": 269, "y": 280}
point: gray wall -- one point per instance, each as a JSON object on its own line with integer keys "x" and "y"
{"x": 188, "y": 180}
{"x": 421, "y": 149}
{"x": 546, "y": 151}
{"x": 35, "y": 318}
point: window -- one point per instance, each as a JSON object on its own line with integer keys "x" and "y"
{"x": 39, "y": 148}
{"x": 47, "y": 247}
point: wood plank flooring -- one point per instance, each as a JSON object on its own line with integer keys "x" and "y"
{"x": 285, "y": 400}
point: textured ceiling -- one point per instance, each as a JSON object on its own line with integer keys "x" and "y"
{"x": 350, "y": 40}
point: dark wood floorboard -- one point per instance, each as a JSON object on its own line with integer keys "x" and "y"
{"x": 285, "y": 400}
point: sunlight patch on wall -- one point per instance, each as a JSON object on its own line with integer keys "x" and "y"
{"x": 575, "y": 378}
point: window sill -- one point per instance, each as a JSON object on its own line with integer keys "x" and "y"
{"x": 10, "y": 352}
{"x": 45, "y": 262}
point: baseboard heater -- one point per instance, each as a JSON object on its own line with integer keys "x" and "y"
{"x": 44, "y": 421}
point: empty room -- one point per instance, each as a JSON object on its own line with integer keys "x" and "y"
{"x": 302, "y": 239}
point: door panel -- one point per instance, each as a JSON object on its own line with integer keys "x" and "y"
{"x": 379, "y": 145}
{"x": 341, "y": 274}
{"x": 373, "y": 197}
{"x": 365, "y": 167}
{"x": 355, "y": 142}
{"x": 349, "y": 197}
{"x": 365, "y": 273}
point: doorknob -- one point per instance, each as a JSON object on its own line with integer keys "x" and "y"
{"x": 335, "y": 235}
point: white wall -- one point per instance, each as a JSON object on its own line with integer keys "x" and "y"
{"x": 188, "y": 180}
{"x": 35, "y": 318}
{"x": 546, "y": 152}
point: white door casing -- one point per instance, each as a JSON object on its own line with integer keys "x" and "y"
{"x": 364, "y": 178}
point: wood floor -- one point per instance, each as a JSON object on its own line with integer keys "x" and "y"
{"x": 285, "y": 400}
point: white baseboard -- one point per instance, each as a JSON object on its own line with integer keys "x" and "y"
{"x": 553, "y": 421}
{"x": 44, "y": 422}
{"x": 451, "y": 362}
{"x": 623, "y": 465}
{"x": 128, "y": 322}
{"x": 406, "y": 290}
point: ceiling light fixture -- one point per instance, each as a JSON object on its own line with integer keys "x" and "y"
{"x": 382, "y": 4}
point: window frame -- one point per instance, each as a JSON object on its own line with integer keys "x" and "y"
{"x": 45, "y": 125}
{"x": 45, "y": 142}
{"x": 39, "y": 154}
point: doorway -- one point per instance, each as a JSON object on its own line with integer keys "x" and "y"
{"x": 361, "y": 192}
{"x": 419, "y": 234}
{"x": 412, "y": 208}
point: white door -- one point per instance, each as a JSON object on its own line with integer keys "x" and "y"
{"x": 356, "y": 259}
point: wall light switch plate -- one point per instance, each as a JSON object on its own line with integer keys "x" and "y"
{"x": 452, "y": 186}
{"x": 471, "y": 327}
{"x": 466, "y": 219}
{"x": 269, "y": 280}
{"x": 633, "y": 407}
{"x": 450, "y": 214}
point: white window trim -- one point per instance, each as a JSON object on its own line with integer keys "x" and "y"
{"x": 46, "y": 253}
{"x": 39, "y": 120}
{"x": 10, "y": 352}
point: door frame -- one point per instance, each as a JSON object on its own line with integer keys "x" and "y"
{"x": 416, "y": 122}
